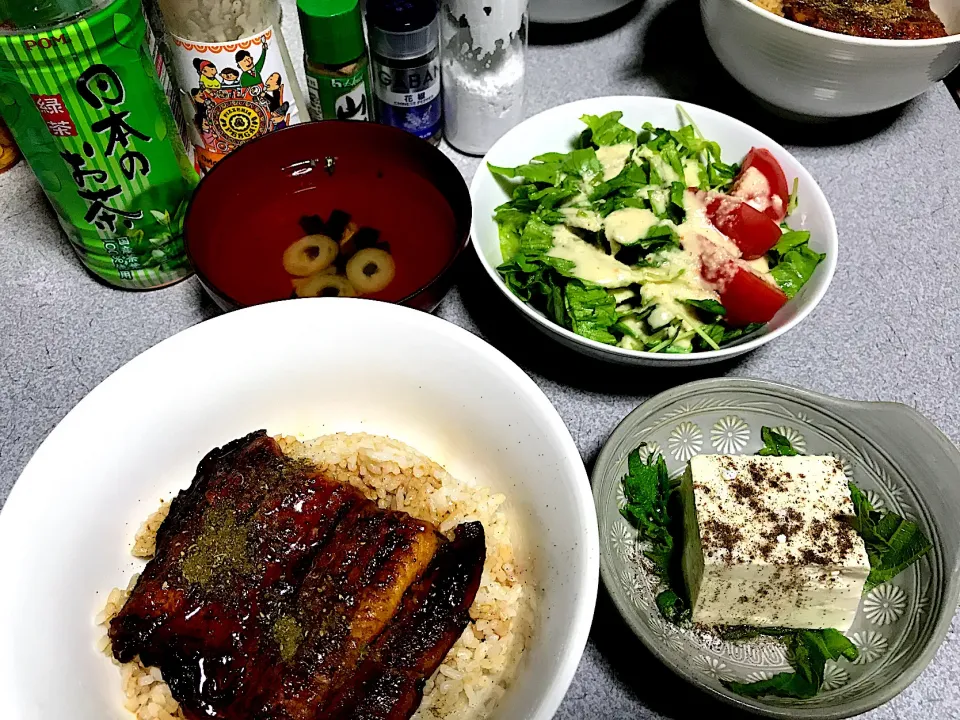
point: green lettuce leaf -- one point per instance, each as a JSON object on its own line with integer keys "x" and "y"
{"x": 537, "y": 237}
{"x": 606, "y": 130}
{"x": 626, "y": 184}
{"x": 548, "y": 172}
{"x": 592, "y": 311}
{"x": 539, "y": 280}
{"x": 793, "y": 261}
{"x": 510, "y": 225}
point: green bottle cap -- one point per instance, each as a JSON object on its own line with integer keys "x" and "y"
{"x": 332, "y": 30}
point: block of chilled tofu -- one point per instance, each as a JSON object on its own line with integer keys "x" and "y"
{"x": 767, "y": 542}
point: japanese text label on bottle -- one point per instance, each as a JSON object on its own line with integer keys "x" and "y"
{"x": 409, "y": 97}
{"x": 86, "y": 106}
{"x": 340, "y": 96}
{"x": 235, "y": 92}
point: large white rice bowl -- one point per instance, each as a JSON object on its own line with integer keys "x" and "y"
{"x": 315, "y": 368}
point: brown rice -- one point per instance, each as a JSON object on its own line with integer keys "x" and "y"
{"x": 482, "y": 663}
{"x": 774, "y": 6}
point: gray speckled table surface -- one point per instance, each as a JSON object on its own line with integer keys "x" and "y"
{"x": 887, "y": 330}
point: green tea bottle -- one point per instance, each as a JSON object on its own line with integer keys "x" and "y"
{"x": 338, "y": 74}
{"x": 80, "y": 91}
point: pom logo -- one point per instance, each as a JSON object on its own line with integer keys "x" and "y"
{"x": 45, "y": 42}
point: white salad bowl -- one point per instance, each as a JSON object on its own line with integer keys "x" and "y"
{"x": 572, "y": 11}
{"x": 299, "y": 367}
{"x": 555, "y": 129}
{"x": 822, "y": 74}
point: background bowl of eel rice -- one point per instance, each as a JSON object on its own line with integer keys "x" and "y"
{"x": 305, "y": 368}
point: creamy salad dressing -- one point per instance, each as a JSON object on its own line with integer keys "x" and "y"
{"x": 630, "y": 225}
{"x": 613, "y": 158}
{"x": 591, "y": 263}
{"x": 691, "y": 173}
{"x": 679, "y": 277}
{"x": 582, "y": 218}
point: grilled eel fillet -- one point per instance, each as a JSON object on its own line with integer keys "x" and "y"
{"x": 240, "y": 541}
{"x": 388, "y": 685}
{"x": 270, "y": 584}
{"x": 350, "y": 594}
{"x": 892, "y": 19}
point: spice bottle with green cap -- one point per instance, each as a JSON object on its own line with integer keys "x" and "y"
{"x": 338, "y": 74}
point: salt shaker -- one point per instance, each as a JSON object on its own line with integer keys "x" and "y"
{"x": 484, "y": 63}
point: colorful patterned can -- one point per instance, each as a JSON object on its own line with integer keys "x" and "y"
{"x": 86, "y": 103}
{"x": 9, "y": 154}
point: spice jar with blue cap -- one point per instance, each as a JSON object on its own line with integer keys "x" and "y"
{"x": 405, "y": 48}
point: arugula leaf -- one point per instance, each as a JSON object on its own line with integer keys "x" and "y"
{"x": 790, "y": 240}
{"x": 549, "y": 198}
{"x": 720, "y": 176}
{"x": 795, "y": 269}
{"x": 810, "y": 649}
{"x": 592, "y": 310}
{"x": 712, "y": 330}
{"x": 583, "y": 162}
{"x": 711, "y": 307}
{"x": 671, "y": 156}
{"x": 548, "y": 172}
{"x": 693, "y": 143}
{"x": 539, "y": 281}
{"x": 606, "y": 130}
{"x": 626, "y": 184}
{"x": 646, "y": 487}
{"x": 774, "y": 443}
{"x": 893, "y": 543}
{"x": 551, "y": 157}
{"x": 794, "y": 261}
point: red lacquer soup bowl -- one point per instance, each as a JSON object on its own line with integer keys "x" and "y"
{"x": 329, "y": 209}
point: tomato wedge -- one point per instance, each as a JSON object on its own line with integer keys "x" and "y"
{"x": 774, "y": 195}
{"x": 752, "y": 231}
{"x": 748, "y": 298}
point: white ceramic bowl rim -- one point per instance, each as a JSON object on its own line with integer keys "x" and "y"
{"x": 849, "y": 39}
{"x": 29, "y": 490}
{"x": 807, "y": 182}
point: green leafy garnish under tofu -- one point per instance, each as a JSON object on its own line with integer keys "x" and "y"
{"x": 646, "y": 487}
{"x": 774, "y": 443}
{"x": 810, "y": 650}
{"x": 648, "y": 491}
{"x": 893, "y": 543}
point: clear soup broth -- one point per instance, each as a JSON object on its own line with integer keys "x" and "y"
{"x": 366, "y": 221}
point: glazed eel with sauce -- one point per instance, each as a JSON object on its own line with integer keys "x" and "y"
{"x": 277, "y": 594}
